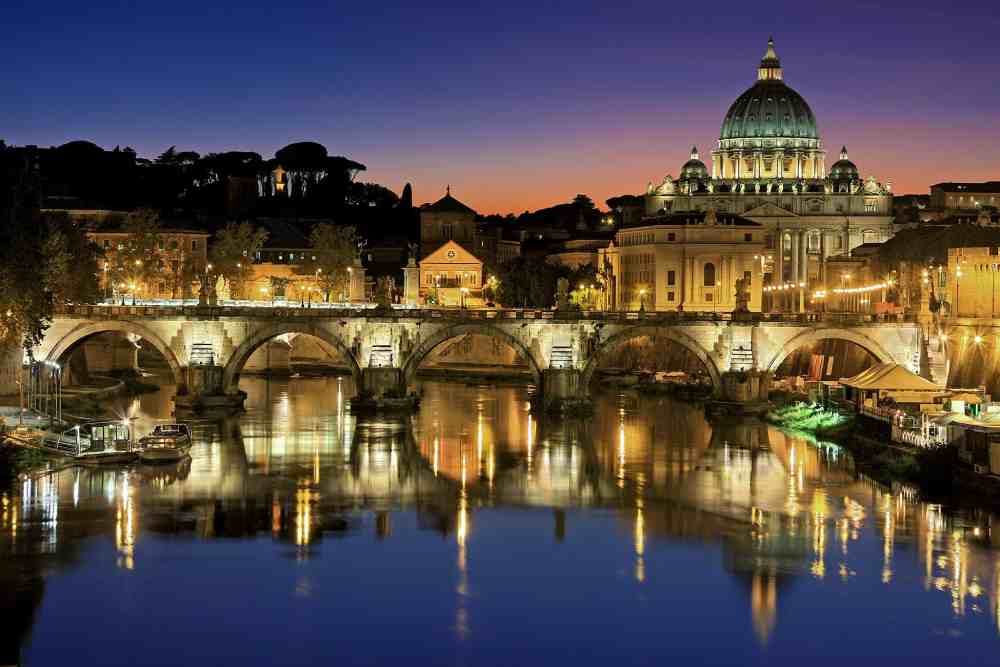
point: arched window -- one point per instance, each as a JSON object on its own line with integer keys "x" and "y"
{"x": 709, "y": 274}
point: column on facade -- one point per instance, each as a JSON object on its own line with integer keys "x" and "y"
{"x": 695, "y": 279}
{"x": 795, "y": 255}
{"x": 822, "y": 257}
{"x": 803, "y": 256}
{"x": 779, "y": 262}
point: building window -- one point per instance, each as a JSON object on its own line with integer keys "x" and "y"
{"x": 446, "y": 232}
{"x": 709, "y": 275}
{"x": 871, "y": 207}
{"x": 748, "y": 237}
{"x": 708, "y": 296}
{"x": 670, "y": 296}
{"x": 671, "y": 277}
{"x": 671, "y": 236}
{"x": 107, "y": 244}
{"x": 194, "y": 245}
{"x": 747, "y": 276}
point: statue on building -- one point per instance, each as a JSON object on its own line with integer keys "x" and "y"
{"x": 562, "y": 294}
{"x": 742, "y": 296}
{"x": 711, "y": 219}
{"x": 385, "y": 291}
{"x": 413, "y": 249}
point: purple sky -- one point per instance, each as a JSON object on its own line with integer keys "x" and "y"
{"x": 516, "y": 105}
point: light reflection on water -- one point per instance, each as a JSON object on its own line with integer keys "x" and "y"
{"x": 649, "y": 509}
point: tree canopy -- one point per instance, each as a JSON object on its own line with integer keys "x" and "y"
{"x": 335, "y": 249}
{"x": 233, "y": 253}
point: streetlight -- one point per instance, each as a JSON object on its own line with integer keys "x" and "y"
{"x": 464, "y": 291}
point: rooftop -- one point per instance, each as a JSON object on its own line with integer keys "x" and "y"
{"x": 693, "y": 218}
{"x": 986, "y": 186}
{"x": 447, "y": 204}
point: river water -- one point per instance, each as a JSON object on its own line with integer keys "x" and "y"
{"x": 475, "y": 533}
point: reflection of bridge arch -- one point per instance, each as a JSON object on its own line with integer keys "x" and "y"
{"x": 64, "y": 344}
{"x": 418, "y": 354}
{"x": 238, "y": 359}
{"x": 816, "y": 335}
{"x": 675, "y": 334}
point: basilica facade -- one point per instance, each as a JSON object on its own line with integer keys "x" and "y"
{"x": 769, "y": 167}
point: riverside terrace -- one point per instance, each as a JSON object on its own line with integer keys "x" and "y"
{"x": 207, "y": 347}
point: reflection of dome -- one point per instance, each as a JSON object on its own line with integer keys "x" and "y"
{"x": 769, "y": 108}
{"x": 694, "y": 168}
{"x": 843, "y": 169}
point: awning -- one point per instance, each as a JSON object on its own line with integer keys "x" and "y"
{"x": 890, "y": 377}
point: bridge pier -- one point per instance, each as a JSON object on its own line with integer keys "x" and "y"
{"x": 744, "y": 392}
{"x": 204, "y": 391}
{"x": 383, "y": 389}
{"x": 563, "y": 391}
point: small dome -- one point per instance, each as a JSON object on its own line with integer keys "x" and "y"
{"x": 843, "y": 169}
{"x": 694, "y": 168}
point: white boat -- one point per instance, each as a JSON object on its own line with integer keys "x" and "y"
{"x": 167, "y": 443}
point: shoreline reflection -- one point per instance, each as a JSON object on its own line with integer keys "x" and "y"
{"x": 299, "y": 470}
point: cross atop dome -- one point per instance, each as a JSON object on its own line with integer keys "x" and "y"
{"x": 770, "y": 65}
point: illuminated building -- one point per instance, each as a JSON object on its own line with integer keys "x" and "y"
{"x": 685, "y": 261}
{"x": 769, "y": 166}
{"x": 450, "y": 272}
{"x": 182, "y": 254}
{"x": 954, "y": 197}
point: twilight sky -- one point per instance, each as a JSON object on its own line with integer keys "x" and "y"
{"x": 516, "y": 104}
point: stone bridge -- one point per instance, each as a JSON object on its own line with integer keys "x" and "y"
{"x": 207, "y": 347}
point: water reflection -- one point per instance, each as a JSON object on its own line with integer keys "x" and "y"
{"x": 298, "y": 469}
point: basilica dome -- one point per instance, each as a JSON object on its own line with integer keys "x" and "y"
{"x": 769, "y": 108}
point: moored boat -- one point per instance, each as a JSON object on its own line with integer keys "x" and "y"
{"x": 167, "y": 443}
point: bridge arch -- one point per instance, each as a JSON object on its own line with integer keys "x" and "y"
{"x": 64, "y": 344}
{"x": 238, "y": 359}
{"x": 676, "y": 334}
{"x": 426, "y": 346}
{"x": 814, "y": 335}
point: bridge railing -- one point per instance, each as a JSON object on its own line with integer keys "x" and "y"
{"x": 366, "y": 310}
